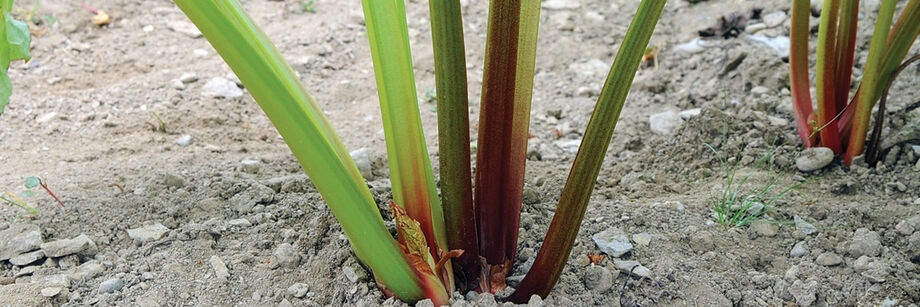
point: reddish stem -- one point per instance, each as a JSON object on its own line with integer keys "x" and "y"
{"x": 45, "y": 186}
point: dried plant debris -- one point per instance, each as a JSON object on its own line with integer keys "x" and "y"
{"x": 731, "y": 25}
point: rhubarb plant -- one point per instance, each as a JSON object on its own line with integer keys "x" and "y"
{"x": 465, "y": 238}
{"x": 14, "y": 45}
{"x": 841, "y": 122}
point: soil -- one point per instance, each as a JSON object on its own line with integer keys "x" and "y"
{"x": 257, "y": 232}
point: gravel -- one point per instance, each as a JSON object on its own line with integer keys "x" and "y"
{"x": 612, "y": 242}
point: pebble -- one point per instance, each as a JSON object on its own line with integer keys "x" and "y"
{"x": 814, "y": 158}
{"x": 909, "y": 225}
{"x": 535, "y": 301}
{"x": 694, "y": 46}
{"x": 285, "y": 303}
{"x": 147, "y": 276}
{"x": 829, "y": 259}
{"x": 184, "y": 141}
{"x": 634, "y": 266}
{"x": 111, "y": 285}
{"x": 816, "y": 6}
{"x": 285, "y": 256}
{"x": 804, "y": 227}
{"x": 176, "y": 84}
{"x": 424, "y": 303}
{"x": 759, "y": 90}
{"x": 765, "y": 229}
{"x": 81, "y": 244}
{"x": 62, "y": 280}
{"x": 690, "y": 113}
{"x": 251, "y": 166}
{"x": 642, "y": 239}
{"x": 200, "y": 52}
{"x": 702, "y": 241}
{"x": 188, "y": 78}
{"x": 220, "y": 268}
{"x": 598, "y": 278}
{"x": 865, "y": 242}
{"x": 612, "y": 242}
{"x": 803, "y": 293}
{"x": 361, "y": 156}
{"x": 28, "y": 258}
{"x": 51, "y": 291}
{"x": 560, "y": 4}
{"x": 877, "y": 271}
{"x": 18, "y": 239}
{"x": 88, "y": 270}
{"x": 665, "y": 122}
{"x": 147, "y": 28}
{"x": 46, "y": 117}
{"x": 593, "y": 68}
{"x": 779, "y": 44}
{"x": 800, "y": 249}
{"x": 219, "y": 87}
{"x": 298, "y": 290}
{"x": 354, "y": 274}
{"x": 148, "y": 233}
{"x": 184, "y": 27}
{"x": 241, "y": 222}
{"x": 774, "y": 19}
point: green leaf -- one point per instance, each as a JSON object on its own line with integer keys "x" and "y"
{"x": 18, "y": 37}
{"x": 14, "y": 45}
{"x": 32, "y": 182}
{"x": 27, "y": 193}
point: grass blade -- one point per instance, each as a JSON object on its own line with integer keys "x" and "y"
{"x": 312, "y": 139}
{"x": 503, "y": 130}
{"x": 410, "y": 167}
{"x": 798, "y": 73}
{"x": 826, "y": 71}
{"x": 454, "y": 133}
{"x": 562, "y": 231}
{"x": 865, "y": 99}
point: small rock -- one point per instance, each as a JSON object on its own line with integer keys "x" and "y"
{"x": 147, "y": 28}
{"x": 688, "y": 114}
{"x": 776, "y": 121}
{"x": 51, "y": 291}
{"x": 694, "y": 46}
{"x": 79, "y": 245}
{"x": 176, "y": 84}
{"x": 46, "y": 117}
{"x": 285, "y": 303}
{"x": 665, "y": 122}
{"x": 598, "y": 278}
{"x": 18, "y": 239}
{"x": 361, "y": 156}
{"x": 560, "y": 5}
{"x": 865, "y": 242}
{"x": 62, "y": 280}
{"x": 765, "y": 229}
{"x": 184, "y": 27}
{"x": 88, "y": 270}
{"x": 814, "y": 158}
{"x": 759, "y": 90}
{"x": 148, "y": 233}
{"x": 816, "y": 6}
{"x": 28, "y": 258}
{"x": 635, "y": 267}
{"x": 829, "y": 259}
{"x": 188, "y": 78}
{"x": 586, "y": 91}
{"x": 774, "y": 19}
{"x": 298, "y": 290}
{"x": 877, "y": 271}
{"x": 800, "y": 249}
{"x": 147, "y": 276}
{"x": 702, "y": 241}
{"x": 535, "y": 301}
{"x": 803, "y": 293}
{"x": 805, "y": 227}
{"x": 184, "y": 140}
{"x": 111, "y": 285}
{"x": 219, "y": 87}
{"x": 909, "y": 225}
{"x": 642, "y": 239}
{"x": 285, "y": 256}
{"x": 354, "y": 274}
{"x": 241, "y": 222}
{"x": 251, "y": 166}
{"x": 424, "y": 303}
{"x": 220, "y": 269}
{"x": 779, "y": 44}
{"x": 635, "y": 177}
{"x": 612, "y": 242}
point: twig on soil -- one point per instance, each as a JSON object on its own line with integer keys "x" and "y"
{"x": 45, "y": 186}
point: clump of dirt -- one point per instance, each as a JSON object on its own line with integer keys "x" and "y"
{"x": 213, "y": 209}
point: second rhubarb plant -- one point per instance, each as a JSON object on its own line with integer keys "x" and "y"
{"x": 841, "y": 122}
{"x": 465, "y": 239}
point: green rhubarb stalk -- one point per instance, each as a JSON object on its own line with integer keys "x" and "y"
{"x": 454, "y": 133}
{"x": 14, "y": 45}
{"x": 825, "y": 75}
{"x": 798, "y": 70}
{"x": 846, "y": 45}
{"x": 308, "y": 133}
{"x": 503, "y": 131}
{"x": 560, "y": 237}
{"x": 865, "y": 99}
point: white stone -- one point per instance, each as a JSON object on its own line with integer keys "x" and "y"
{"x": 184, "y": 27}
{"x": 774, "y": 19}
{"x": 803, "y": 226}
{"x": 779, "y": 44}
{"x": 78, "y": 245}
{"x": 220, "y": 269}
{"x": 219, "y": 87}
{"x": 634, "y": 266}
{"x": 361, "y": 157}
{"x": 612, "y": 242}
{"x": 148, "y": 233}
{"x": 665, "y": 122}
{"x": 185, "y": 140}
{"x": 188, "y": 78}
{"x": 560, "y": 4}
{"x": 814, "y": 158}
{"x": 690, "y": 113}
